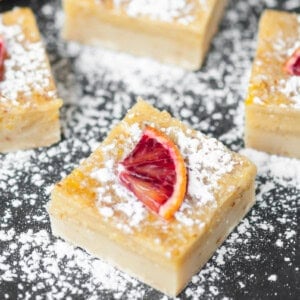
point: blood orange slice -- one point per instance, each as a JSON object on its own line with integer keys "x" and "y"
{"x": 292, "y": 65}
{"x": 155, "y": 173}
{"x": 2, "y": 57}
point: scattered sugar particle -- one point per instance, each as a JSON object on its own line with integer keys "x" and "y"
{"x": 48, "y": 10}
{"x": 102, "y": 175}
{"x": 289, "y": 234}
{"x": 272, "y": 277}
{"x": 279, "y": 243}
{"x": 282, "y": 220}
{"x": 189, "y": 292}
{"x": 257, "y": 100}
{"x": 214, "y": 290}
{"x": 219, "y": 258}
{"x": 48, "y": 189}
{"x": 16, "y": 203}
{"x": 37, "y": 180}
{"x": 7, "y": 235}
{"x": 183, "y": 219}
{"x": 106, "y": 212}
{"x": 195, "y": 279}
{"x": 186, "y": 113}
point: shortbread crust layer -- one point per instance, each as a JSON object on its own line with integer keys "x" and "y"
{"x": 180, "y": 43}
{"x": 273, "y": 130}
{"x": 31, "y": 128}
{"x": 144, "y": 268}
{"x": 90, "y": 209}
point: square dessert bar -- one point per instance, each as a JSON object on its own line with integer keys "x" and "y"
{"x": 92, "y": 209}
{"x": 273, "y": 103}
{"x": 29, "y": 107}
{"x": 172, "y": 31}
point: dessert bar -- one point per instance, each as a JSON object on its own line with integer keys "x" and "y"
{"x": 273, "y": 103}
{"x": 29, "y": 106}
{"x": 156, "y": 199}
{"x": 172, "y": 31}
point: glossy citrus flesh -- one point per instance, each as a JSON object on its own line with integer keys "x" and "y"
{"x": 155, "y": 173}
{"x": 292, "y": 65}
{"x": 2, "y": 57}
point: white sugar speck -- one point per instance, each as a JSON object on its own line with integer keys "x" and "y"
{"x": 279, "y": 243}
{"x": 272, "y": 277}
{"x": 106, "y": 212}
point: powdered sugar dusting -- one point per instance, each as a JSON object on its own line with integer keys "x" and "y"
{"x": 291, "y": 88}
{"x": 56, "y": 252}
{"x": 181, "y": 11}
{"x": 285, "y": 171}
{"x": 207, "y": 160}
{"x": 283, "y": 47}
{"x": 130, "y": 208}
{"x": 26, "y": 69}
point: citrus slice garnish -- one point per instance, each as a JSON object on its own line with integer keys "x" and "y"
{"x": 292, "y": 65}
{"x": 2, "y": 57}
{"x": 155, "y": 173}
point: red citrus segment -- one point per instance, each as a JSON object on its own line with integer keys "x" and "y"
{"x": 143, "y": 191}
{"x": 292, "y": 65}
{"x": 2, "y": 57}
{"x": 155, "y": 172}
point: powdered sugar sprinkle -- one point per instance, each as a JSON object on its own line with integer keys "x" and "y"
{"x": 181, "y": 11}
{"x": 30, "y": 61}
{"x": 207, "y": 160}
